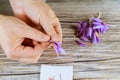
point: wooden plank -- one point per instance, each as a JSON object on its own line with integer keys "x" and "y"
{"x": 97, "y": 62}
{"x": 5, "y": 7}
{"x": 21, "y": 77}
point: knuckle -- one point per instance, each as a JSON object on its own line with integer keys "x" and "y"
{"x": 9, "y": 54}
{"x": 55, "y": 20}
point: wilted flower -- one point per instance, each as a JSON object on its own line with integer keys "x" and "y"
{"x": 89, "y": 31}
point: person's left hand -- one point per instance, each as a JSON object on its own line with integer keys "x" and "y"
{"x": 19, "y": 41}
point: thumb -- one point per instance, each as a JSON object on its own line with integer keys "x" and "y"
{"x": 34, "y": 34}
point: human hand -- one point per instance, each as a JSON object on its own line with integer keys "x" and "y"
{"x": 38, "y": 13}
{"x": 13, "y": 32}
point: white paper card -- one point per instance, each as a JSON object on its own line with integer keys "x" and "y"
{"x": 56, "y": 72}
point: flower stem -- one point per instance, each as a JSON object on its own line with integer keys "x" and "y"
{"x": 99, "y": 15}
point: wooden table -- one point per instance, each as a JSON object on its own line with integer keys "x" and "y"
{"x": 97, "y": 62}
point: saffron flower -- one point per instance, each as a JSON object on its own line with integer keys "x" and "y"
{"x": 89, "y": 31}
{"x": 58, "y": 48}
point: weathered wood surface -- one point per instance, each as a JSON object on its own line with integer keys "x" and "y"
{"x": 98, "y": 62}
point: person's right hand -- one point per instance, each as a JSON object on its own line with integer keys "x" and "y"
{"x": 40, "y": 14}
{"x": 13, "y": 32}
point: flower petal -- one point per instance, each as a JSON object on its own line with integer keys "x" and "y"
{"x": 58, "y": 44}
{"x": 98, "y": 39}
{"x": 84, "y": 30}
{"x": 56, "y": 49}
{"x": 62, "y": 51}
{"x": 90, "y": 31}
{"x": 78, "y": 26}
{"x": 98, "y": 31}
{"x": 96, "y": 20}
{"x": 105, "y": 28}
{"x": 96, "y": 23}
{"x": 84, "y": 38}
{"x": 98, "y": 27}
{"x": 59, "y": 48}
{"x": 81, "y": 43}
{"x": 94, "y": 40}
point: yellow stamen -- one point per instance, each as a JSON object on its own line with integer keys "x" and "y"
{"x": 97, "y": 34}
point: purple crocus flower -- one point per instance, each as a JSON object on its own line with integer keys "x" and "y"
{"x": 58, "y": 48}
{"x": 89, "y": 31}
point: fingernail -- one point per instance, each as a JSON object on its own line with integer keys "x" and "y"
{"x": 47, "y": 38}
{"x": 55, "y": 37}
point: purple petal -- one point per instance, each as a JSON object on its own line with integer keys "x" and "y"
{"x": 97, "y": 20}
{"x": 56, "y": 49}
{"x": 98, "y": 39}
{"x": 58, "y": 44}
{"x": 81, "y": 43}
{"x": 80, "y": 22}
{"x": 85, "y": 24}
{"x": 98, "y": 27}
{"x": 83, "y": 27}
{"x": 84, "y": 38}
{"x": 94, "y": 40}
{"x": 90, "y": 31}
{"x": 102, "y": 30}
{"x": 78, "y": 26}
{"x": 98, "y": 31}
{"x": 61, "y": 50}
{"x": 105, "y": 28}
{"x": 96, "y": 23}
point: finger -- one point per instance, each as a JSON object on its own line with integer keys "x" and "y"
{"x": 35, "y": 42}
{"x": 18, "y": 10}
{"x": 23, "y": 17}
{"x": 45, "y": 45}
{"x": 49, "y": 29}
{"x": 29, "y": 60}
{"x": 26, "y": 52}
{"x": 34, "y": 34}
{"x": 41, "y": 17}
{"x": 57, "y": 27}
{"x": 33, "y": 59}
{"x": 17, "y": 7}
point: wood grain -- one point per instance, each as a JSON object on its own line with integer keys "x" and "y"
{"x": 97, "y": 62}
